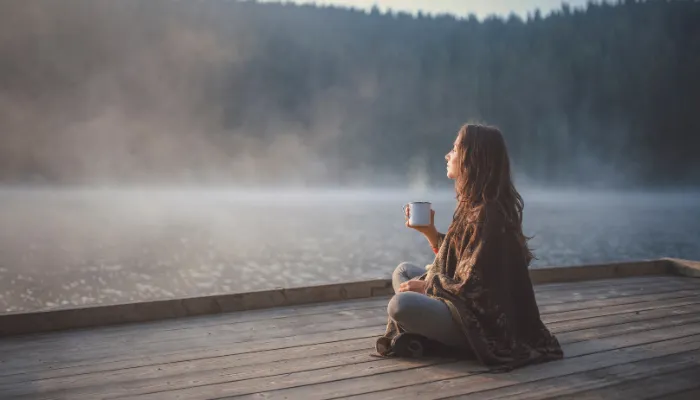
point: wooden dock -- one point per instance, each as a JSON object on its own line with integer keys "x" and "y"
{"x": 625, "y": 336}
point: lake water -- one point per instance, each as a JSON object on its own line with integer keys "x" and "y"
{"x": 84, "y": 247}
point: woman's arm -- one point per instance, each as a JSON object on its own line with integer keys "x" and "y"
{"x": 435, "y": 238}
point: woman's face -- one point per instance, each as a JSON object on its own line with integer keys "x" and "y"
{"x": 452, "y": 162}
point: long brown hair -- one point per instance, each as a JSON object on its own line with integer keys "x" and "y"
{"x": 484, "y": 179}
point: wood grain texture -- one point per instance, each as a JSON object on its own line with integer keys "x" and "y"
{"x": 340, "y": 326}
{"x": 226, "y": 369}
{"x": 623, "y": 352}
{"x": 617, "y": 335}
{"x": 549, "y": 301}
{"x": 593, "y": 379}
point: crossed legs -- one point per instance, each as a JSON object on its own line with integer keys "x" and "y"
{"x": 420, "y": 314}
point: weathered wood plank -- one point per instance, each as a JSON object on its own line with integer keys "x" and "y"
{"x": 58, "y": 378}
{"x": 228, "y": 352}
{"x": 627, "y": 298}
{"x": 395, "y": 386}
{"x": 439, "y": 382}
{"x": 602, "y": 271}
{"x": 362, "y": 376}
{"x": 46, "y": 357}
{"x": 629, "y": 317}
{"x": 26, "y": 346}
{"x": 52, "y": 320}
{"x": 686, "y": 268}
{"x": 193, "y": 348}
{"x": 631, "y": 281}
{"x": 619, "y": 309}
{"x": 593, "y": 379}
{"x": 692, "y": 394}
{"x": 620, "y": 328}
{"x": 647, "y": 388}
{"x": 119, "y": 361}
{"x": 576, "y": 295}
{"x": 368, "y": 368}
{"x": 627, "y": 320}
{"x": 598, "y": 312}
{"x": 159, "y": 331}
{"x": 54, "y": 357}
{"x": 203, "y": 321}
{"x": 585, "y": 289}
{"x": 229, "y": 368}
{"x": 227, "y": 334}
{"x": 125, "y": 382}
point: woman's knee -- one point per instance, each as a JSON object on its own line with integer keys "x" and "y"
{"x": 406, "y": 271}
{"x": 402, "y": 305}
{"x": 417, "y": 313}
{"x": 402, "y": 269}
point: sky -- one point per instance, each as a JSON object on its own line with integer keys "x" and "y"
{"x": 480, "y": 8}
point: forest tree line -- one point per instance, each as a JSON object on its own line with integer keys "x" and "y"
{"x": 258, "y": 93}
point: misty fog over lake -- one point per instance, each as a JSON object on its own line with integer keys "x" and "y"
{"x": 85, "y": 247}
{"x": 598, "y": 106}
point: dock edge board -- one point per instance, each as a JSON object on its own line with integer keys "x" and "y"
{"x": 101, "y": 315}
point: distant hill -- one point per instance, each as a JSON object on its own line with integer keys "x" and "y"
{"x": 241, "y": 92}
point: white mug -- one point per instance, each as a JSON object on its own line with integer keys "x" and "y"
{"x": 419, "y": 213}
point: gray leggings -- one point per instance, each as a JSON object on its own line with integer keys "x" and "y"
{"x": 420, "y": 314}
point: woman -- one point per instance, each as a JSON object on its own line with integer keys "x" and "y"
{"x": 476, "y": 295}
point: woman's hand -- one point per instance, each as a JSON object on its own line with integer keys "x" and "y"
{"x": 413, "y": 286}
